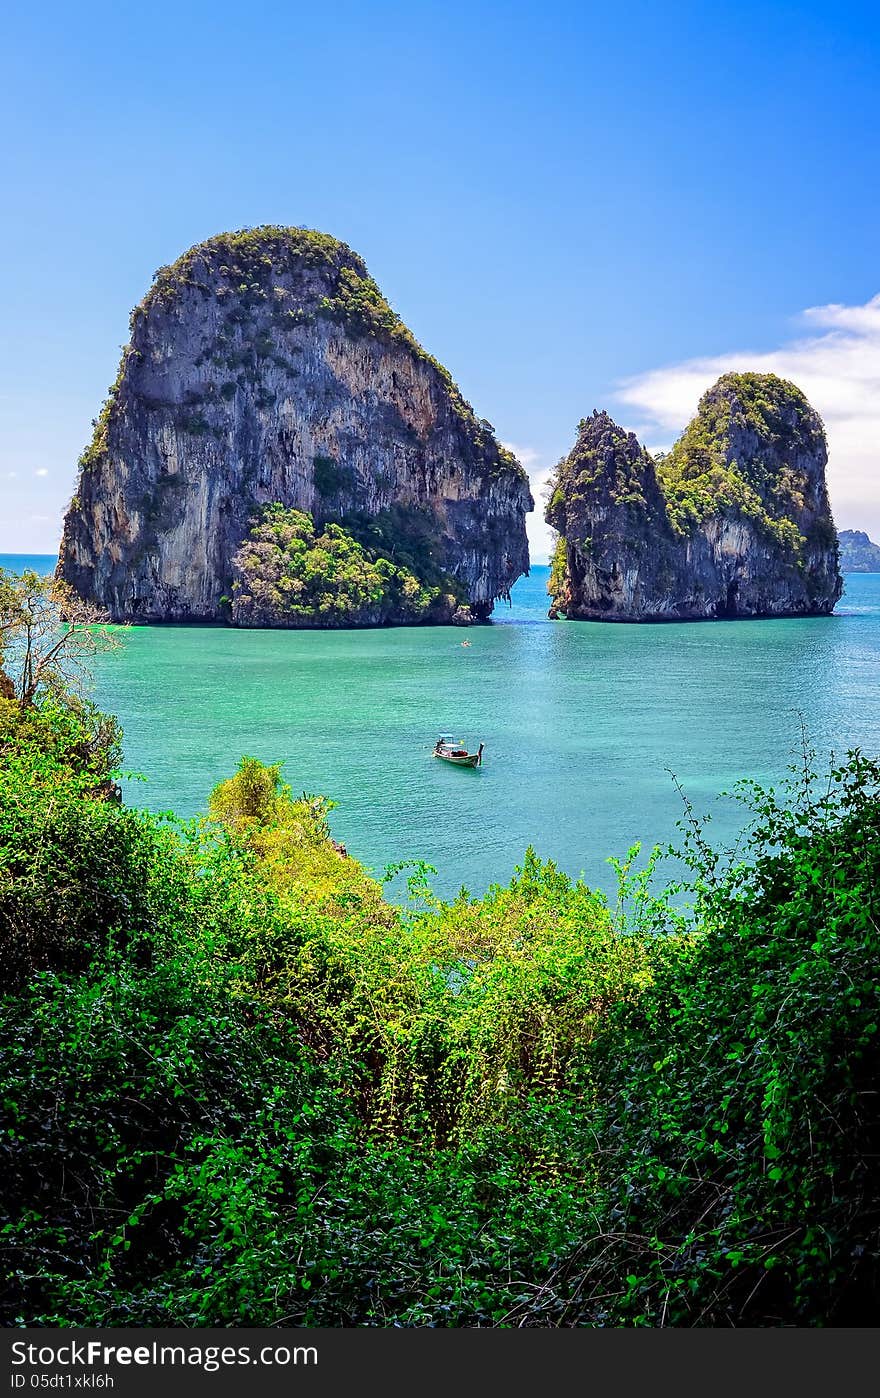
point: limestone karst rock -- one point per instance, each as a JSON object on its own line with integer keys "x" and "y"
{"x": 734, "y": 522}
{"x": 858, "y": 553}
{"x": 265, "y": 370}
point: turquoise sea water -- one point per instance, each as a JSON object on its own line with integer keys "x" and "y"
{"x": 581, "y": 722}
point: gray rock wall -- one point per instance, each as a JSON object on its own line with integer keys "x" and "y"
{"x": 266, "y": 367}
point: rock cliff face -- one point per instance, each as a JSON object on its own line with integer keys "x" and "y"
{"x": 265, "y": 368}
{"x": 733, "y": 522}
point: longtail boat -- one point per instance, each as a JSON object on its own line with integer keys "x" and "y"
{"x": 450, "y": 750}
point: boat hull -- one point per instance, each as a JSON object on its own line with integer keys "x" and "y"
{"x": 472, "y": 759}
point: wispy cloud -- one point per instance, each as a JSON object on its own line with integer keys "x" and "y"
{"x": 836, "y": 363}
{"x": 526, "y": 456}
{"x": 41, "y": 471}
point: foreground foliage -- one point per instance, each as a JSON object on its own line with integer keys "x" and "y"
{"x": 242, "y": 1087}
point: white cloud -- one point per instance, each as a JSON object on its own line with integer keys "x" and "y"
{"x": 41, "y": 472}
{"x": 526, "y": 456}
{"x": 540, "y": 534}
{"x": 837, "y": 366}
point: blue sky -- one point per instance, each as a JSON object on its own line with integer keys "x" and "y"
{"x": 572, "y": 205}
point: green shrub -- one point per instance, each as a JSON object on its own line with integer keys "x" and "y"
{"x": 290, "y": 572}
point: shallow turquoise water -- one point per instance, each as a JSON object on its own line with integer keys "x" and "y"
{"x": 581, "y": 722}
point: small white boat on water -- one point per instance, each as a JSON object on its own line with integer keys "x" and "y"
{"x": 451, "y": 750}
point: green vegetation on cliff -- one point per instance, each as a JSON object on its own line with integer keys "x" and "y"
{"x": 247, "y": 255}
{"x": 727, "y": 459}
{"x": 242, "y": 1087}
{"x": 360, "y": 307}
{"x": 607, "y": 460}
{"x": 290, "y": 571}
{"x": 556, "y": 582}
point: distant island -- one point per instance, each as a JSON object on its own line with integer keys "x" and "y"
{"x": 858, "y": 554}
{"x": 733, "y": 522}
{"x": 278, "y": 450}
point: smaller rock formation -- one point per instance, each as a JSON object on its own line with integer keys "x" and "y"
{"x": 858, "y": 554}
{"x": 733, "y": 522}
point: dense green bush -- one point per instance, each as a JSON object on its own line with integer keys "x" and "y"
{"x": 74, "y": 867}
{"x": 65, "y": 741}
{"x": 291, "y": 572}
{"x": 247, "y": 1089}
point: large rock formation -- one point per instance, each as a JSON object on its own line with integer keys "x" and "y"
{"x": 733, "y": 522}
{"x": 265, "y": 369}
{"x": 858, "y": 553}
